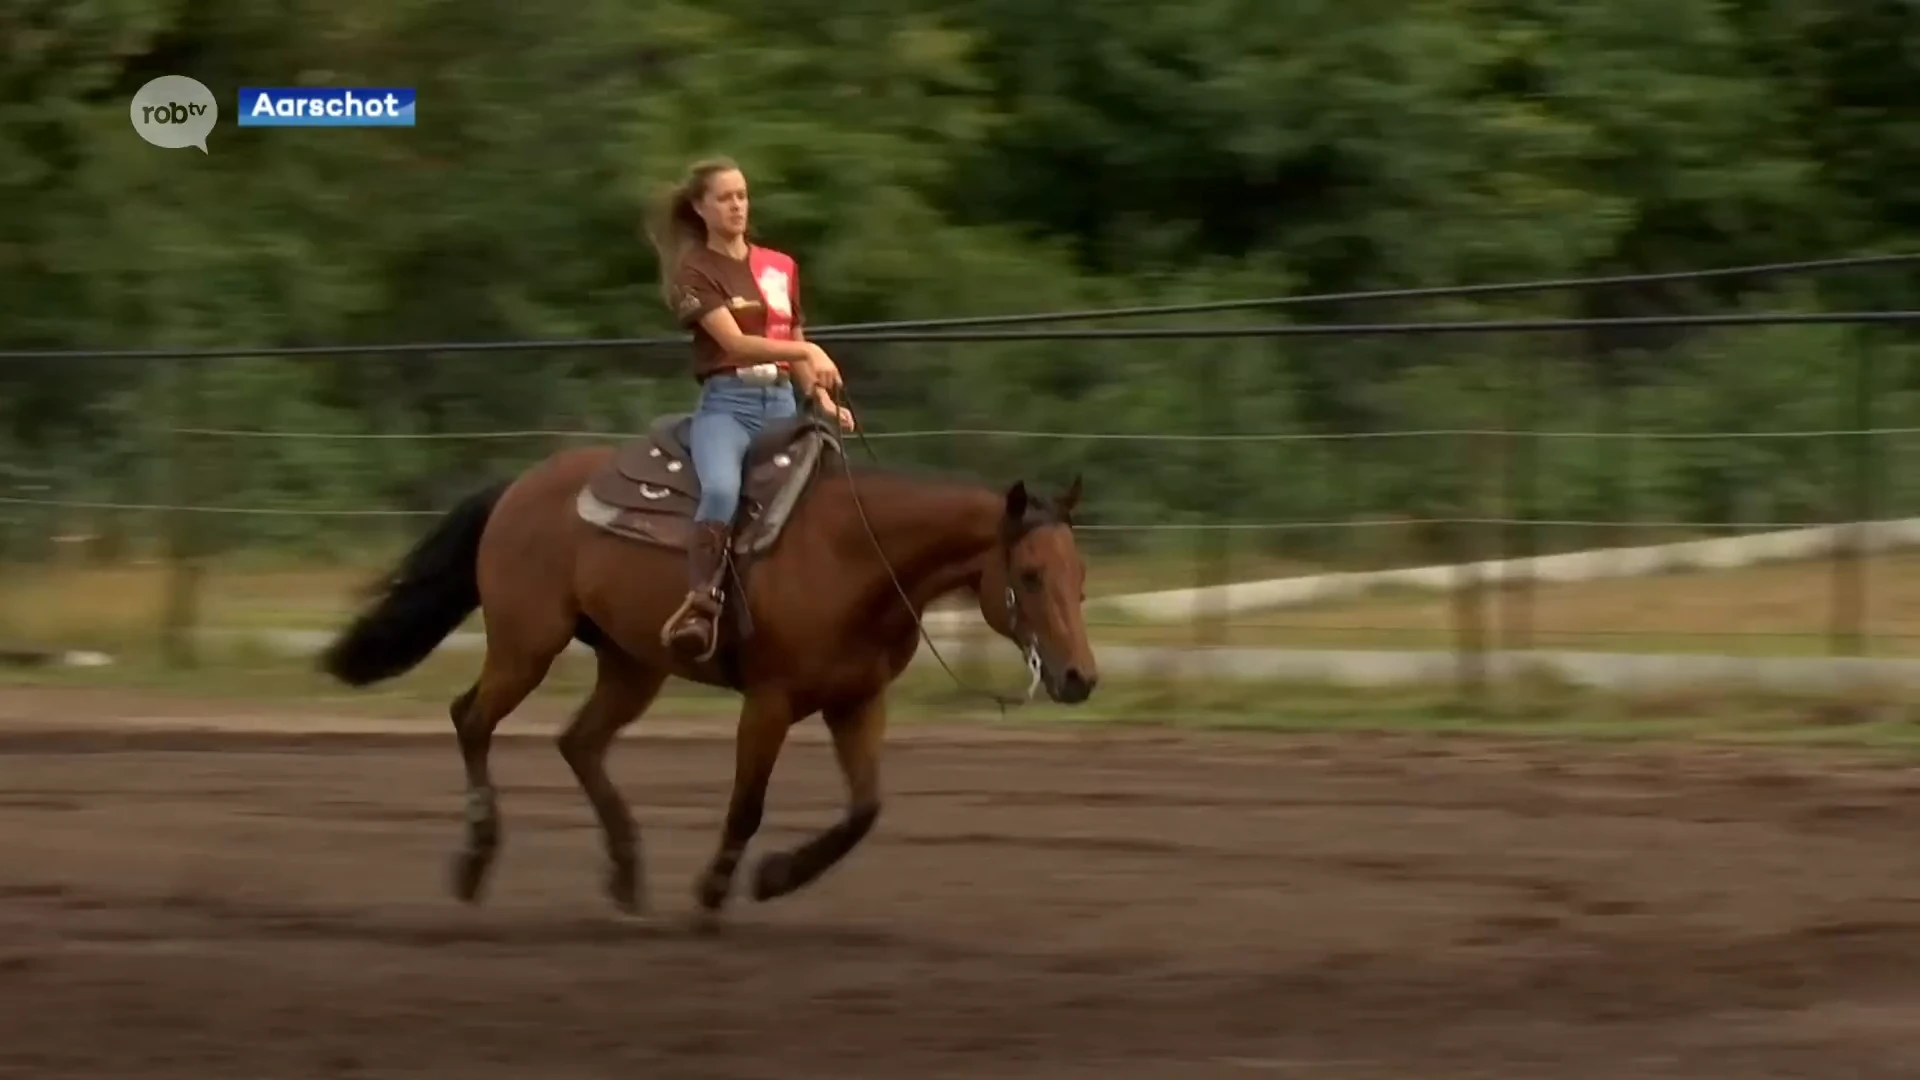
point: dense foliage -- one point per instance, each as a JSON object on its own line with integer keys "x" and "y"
{"x": 930, "y": 159}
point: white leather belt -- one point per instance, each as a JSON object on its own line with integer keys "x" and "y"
{"x": 759, "y": 375}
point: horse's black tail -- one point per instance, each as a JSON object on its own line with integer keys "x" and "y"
{"x": 427, "y": 596}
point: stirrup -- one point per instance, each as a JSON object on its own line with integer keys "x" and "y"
{"x": 680, "y": 623}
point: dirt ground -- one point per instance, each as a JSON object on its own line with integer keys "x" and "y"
{"x": 181, "y": 903}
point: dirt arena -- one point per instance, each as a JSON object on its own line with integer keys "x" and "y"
{"x": 265, "y": 906}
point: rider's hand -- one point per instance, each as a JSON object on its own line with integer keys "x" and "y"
{"x": 826, "y": 373}
{"x": 833, "y": 408}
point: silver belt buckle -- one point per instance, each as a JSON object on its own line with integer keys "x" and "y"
{"x": 760, "y": 375}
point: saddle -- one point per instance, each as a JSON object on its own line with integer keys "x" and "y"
{"x": 648, "y": 491}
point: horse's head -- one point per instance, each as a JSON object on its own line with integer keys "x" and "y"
{"x": 1032, "y": 591}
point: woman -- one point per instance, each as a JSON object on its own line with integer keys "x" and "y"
{"x": 750, "y": 354}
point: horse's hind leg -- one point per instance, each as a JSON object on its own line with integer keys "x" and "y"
{"x": 622, "y": 690}
{"x": 857, "y": 733}
{"x": 506, "y": 679}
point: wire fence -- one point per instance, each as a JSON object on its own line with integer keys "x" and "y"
{"x": 908, "y": 329}
{"x": 1333, "y": 464}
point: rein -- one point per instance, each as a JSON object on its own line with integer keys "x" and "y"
{"x": 1029, "y": 648}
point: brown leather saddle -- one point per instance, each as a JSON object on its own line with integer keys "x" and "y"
{"x": 648, "y": 491}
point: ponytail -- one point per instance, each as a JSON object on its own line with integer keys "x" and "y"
{"x": 674, "y": 224}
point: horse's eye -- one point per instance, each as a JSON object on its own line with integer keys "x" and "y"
{"x": 1030, "y": 579}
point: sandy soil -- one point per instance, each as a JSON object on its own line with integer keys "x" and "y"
{"x": 246, "y": 903}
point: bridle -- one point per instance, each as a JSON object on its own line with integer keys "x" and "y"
{"x": 1025, "y": 636}
{"x": 1018, "y": 625}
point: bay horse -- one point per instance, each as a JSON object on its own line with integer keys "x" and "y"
{"x": 589, "y": 544}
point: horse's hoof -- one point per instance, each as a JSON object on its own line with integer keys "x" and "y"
{"x": 711, "y": 891}
{"x": 773, "y": 876}
{"x": 623, "y": 888}
{"x": 470, "y": 874}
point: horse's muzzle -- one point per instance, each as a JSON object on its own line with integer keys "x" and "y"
{"x": 1073, "y": 687}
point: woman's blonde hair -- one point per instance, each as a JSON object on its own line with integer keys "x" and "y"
{"x": 674, "y": 225}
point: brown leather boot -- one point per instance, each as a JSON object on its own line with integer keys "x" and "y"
{"x": 693, "y": 631}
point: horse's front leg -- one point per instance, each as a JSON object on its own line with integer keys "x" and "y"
{"x": 764, "y": 721}
{"x": 857, "y": 735}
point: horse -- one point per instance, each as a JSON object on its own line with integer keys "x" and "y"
{"x": 830, "y": 570}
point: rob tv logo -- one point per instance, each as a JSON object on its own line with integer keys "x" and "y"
{"x": 174, "y": 112}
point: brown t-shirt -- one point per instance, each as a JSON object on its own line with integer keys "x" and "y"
{"x": 708, "y": 280}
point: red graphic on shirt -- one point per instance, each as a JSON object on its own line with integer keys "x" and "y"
{"x": 774, "y": 273}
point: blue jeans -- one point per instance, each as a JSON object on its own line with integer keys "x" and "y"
{"x": 729, "y": 415}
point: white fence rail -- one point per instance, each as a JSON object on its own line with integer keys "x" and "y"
{"x": 1723, "y": 553}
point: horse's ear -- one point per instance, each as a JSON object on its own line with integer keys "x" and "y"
{"x": 1069, "y": 499}
{"x": 1017, "y": 501}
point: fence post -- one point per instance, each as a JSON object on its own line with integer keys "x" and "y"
{"x": 1523, "y": 467}
{"x": 1848, "y": 631}
{"x": 179, "y": 617}
{"x": 1469, "y": 592}
{"x": 1617, "y": 450}
{"x": 9, "y": 552}
{"x": 1518, "y": 544}
{"x": 1211, "y": 545}
{"x": 975, "y": 639}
